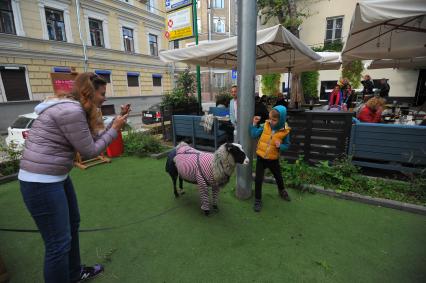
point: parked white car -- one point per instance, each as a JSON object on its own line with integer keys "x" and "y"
{"x": 17, "y": 133}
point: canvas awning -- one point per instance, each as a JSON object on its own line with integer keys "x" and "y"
{"x": 277, "y": 50}
{"x": 411, "y": 63}
{"x": 329, "y": 61}
{"x": 386, "y": 29}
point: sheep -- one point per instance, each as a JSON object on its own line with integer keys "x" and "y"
{"x": 204, "y": 169}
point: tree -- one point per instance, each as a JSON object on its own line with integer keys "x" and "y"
{"x": 270, "y": 83}
{"x": 352, "y": 71}
{"x": 310, "y": 84}
{"x": 186, "y": 82}
{"x": 286, "y": 12}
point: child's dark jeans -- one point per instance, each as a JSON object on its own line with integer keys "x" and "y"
{"x": 274, "y": 166}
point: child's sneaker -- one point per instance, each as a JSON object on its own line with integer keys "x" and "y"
{"x": 284, "y": 195}
{"x": 90, "y": 272}
{"x": 257, "y": 205}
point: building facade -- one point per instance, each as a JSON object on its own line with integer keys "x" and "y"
{"x": 330, "y": 21}
{"x": 216, "y": 19}
{"x": 123, "y": 38}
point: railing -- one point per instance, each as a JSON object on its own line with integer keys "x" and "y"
{"x": 318, "y": 135}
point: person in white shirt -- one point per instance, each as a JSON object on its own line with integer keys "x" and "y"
{"x": 233, "y": 110}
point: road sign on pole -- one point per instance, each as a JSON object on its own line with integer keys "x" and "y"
{"x": 179, "y": 23}
{"x": 176, "y": 4}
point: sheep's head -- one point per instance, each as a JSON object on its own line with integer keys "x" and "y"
{"x": 237, "y": 152}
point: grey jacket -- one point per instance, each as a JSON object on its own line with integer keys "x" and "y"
{"x": 60, "y": 131}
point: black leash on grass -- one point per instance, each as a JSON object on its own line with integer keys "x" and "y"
{"x": 101, "y": 228}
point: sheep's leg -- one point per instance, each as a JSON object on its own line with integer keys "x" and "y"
{"x": 181, "y": 191}
{"x": 215, "y": 195}
{"x": 204, "y": 196}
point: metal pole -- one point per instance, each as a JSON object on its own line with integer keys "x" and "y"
{"x": 194, "y": 8}
{"x": 246, "y": 77}
{"x": 229, "y": 18}
{"x": 77, "y": 4}
{"x": 209, "y": 19}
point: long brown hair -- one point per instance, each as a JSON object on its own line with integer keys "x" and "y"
{"x": 375, "y": 103}
{"x": 84, "y": 88}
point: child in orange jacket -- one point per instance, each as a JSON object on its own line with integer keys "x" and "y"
{"x": 274, "y": 139}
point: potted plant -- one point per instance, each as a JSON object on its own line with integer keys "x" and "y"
{"x": 181, "y": 100}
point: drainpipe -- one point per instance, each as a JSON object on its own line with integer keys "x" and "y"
{"x": 77, "y": 4}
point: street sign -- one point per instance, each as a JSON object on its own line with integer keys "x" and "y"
{"x": 176, "y": 4}
{"x": 179, "y": 24}
{"x": 234, "y": 74}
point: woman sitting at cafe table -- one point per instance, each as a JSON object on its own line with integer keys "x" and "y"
{"x": 371, "y": 112}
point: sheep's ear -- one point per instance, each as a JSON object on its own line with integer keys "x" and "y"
{"x": 228, "y": 146}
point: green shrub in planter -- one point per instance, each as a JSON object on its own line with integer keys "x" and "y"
{"x": 141, "y": 144}
{"x": 177, "y": 99}
{"x": 10, "y": 165}
{"x": 224, "y": 97}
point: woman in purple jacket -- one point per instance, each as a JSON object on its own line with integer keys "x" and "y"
{"x": 66, "y": 124}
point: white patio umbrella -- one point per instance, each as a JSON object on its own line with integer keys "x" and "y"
{"x": 386, "y": 29}
{"x": 411, "y": 63}
{"x": 277, "y": 50}
{"x": 329, "y": 61}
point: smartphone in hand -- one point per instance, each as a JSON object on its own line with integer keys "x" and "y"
{"x": 125, "y": 109}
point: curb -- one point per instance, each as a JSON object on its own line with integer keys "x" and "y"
{"x": 8, "y": 178}
{"x": 408, "y": 207}
{"x": 161, "y": 154}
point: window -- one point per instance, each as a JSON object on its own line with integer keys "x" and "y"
{"x": 175, "y": 44}
{"x": 199, "y": 25}
{"x": 334, "y": 29}
{"x": 218, "y": 25}
{"x": 96, "y": 33}
{"x": 151, "y": 6}
{"x": 132, "y": 79}
{"x": 55, "y": 24}
{"x": 128, "y": 40}
{"x": 156, "y": 80}
{"x": 326, "y": 88}
{"x": 7, "y": 24}
{"x": 219, "y": 80}
{"x": 106, "y": 75}
{"x": 153, "y": 45}
{"x": 218, "y": 4}
{"x": 14, "y": 83}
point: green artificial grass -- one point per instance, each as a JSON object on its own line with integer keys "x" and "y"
{"x": 314, "y": 238}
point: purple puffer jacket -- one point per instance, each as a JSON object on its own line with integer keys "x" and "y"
{"x": 60, "y": 130}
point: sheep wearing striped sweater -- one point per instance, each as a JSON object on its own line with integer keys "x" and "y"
{"x": 204, "y": 169}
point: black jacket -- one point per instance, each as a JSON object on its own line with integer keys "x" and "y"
{"x": 368, "y": 87}
{"x": 384, "y": 90}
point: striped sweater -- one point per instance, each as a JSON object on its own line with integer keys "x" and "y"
{"x": 196, "y": 167}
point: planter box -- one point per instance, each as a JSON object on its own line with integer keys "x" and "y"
{"x": 8, "y": 178}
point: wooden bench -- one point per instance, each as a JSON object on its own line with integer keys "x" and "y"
{"x": 389, "y": 146}
{"x": 189, "y": 126}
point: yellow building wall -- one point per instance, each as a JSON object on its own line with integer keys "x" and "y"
{"x": 31, "y": 19}
{"x": 67, "y": 54}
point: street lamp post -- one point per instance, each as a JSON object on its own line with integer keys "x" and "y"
{"x": 246, "y": 77}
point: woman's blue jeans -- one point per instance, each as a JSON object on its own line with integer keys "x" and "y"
{"x": 54, "y": 209}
